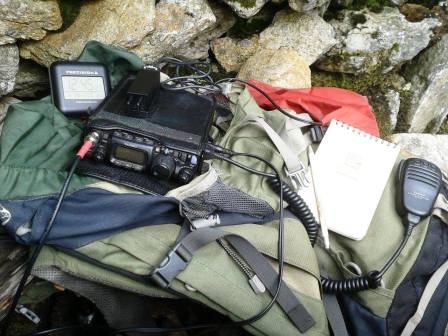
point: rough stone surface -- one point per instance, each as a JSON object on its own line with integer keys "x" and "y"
{"x": 431, "y": 147}
{"x": 27, "y": 19}
{"x": 30, "y": 80}
{"x": 415, "y": 12}
{"x": 233, "y": 53}
{"x": 9, "y": 65}
{"x": 246, "y": 8}
{"x": 199, "y": 47}
{"x": 4, "y": 105}
{"x": 392, "y": 98}
{"x": 124, "y": 23}
{"x": 283, "y": 67}
{"x": 177, "y": 23}
{"x": 428, "y": 74}
{"x": 308, "y": 34}
{"x": 308, "y": 5}
{"x": 370, "y": 41}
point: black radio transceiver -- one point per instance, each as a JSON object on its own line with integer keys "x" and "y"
{"x": 77, "y": 87}
{"x": 152, "y": 130}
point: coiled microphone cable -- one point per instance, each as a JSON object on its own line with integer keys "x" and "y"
{"x": 371, "y": 280}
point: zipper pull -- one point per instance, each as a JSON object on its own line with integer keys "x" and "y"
{"x": 257, "y": 285}
{"x": 28, "y": 313}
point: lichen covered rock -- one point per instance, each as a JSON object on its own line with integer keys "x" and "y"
{"x": 27, "y": 19}
{"x": 370, "y": 41}
{"x": 308, "y": 34}
{"x": 177, "y": 23}
{"x": 199, "y": 47}
{"x": 433, "y": 148}
{"x": 232, "y": 53}
{"x": 428, "y": 74}
{"x": 9, "y": 65}
{"x": 302, "y": 6}
{"x": 283, "y": 67}
{"x": 124, "y": 23}
{"x": 246, "y": 8}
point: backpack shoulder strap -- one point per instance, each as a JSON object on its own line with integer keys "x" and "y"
{"x": 425, "y": 299}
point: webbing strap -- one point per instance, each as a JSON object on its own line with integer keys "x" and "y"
{"x": 334, "y": 315}
{"x": 295, "y": 169}
{"x": 425, "y": 299}
{"x": 441, "y": 208}
{"x": 333, "y": 312}
{"x": 179, "y": 257}
{"x": 286, "y": 298}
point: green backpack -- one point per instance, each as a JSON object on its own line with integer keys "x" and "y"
{"x": 217, "y": 263}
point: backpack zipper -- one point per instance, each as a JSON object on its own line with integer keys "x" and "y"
{"x": 254, "y": 281}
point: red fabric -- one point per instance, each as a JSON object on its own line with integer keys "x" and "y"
{"x": 322, "y": 103}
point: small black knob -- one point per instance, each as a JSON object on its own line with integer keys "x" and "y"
{"x": 163, "y": 166}
{"x": 185, "y": 175}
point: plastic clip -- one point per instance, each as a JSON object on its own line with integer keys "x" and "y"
{"x": 299, "y": 178}
{"x": 174, "y": 263}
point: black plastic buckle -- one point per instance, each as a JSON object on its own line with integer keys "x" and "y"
{"x": 174, "y": 263}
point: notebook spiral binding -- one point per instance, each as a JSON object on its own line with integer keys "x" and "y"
{"x": 365, "y": 134}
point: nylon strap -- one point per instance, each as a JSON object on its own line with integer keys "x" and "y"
{"x": 179, "y": 257}
{"x": 333, "y": 312}
{"x": 295, "y": 169}
{"x": 269, "y": 277}
{"x": 425, "y": 299}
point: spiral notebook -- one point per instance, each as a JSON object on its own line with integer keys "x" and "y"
{"x": 353, "y": 169}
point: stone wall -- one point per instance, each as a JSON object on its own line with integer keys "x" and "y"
{"x": 392, "y": 51}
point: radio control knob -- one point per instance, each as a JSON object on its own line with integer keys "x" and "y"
{"x": 185, "y": 175}
{"x": 163, "y": 166}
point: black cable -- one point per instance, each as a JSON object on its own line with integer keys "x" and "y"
{"x": 409, "y": 229}
{"x": 151, "y": 330}
{"x": 280, "y": 258}
{"x": 264, "y": 94}
{"x": 298, "y": 207}
{"x": 371, "y": 280}
{"x": 38, "y": 248}
{"x": 202, "y": 80}
{"x": 67, "y": 328}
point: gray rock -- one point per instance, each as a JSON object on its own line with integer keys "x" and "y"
{"x": 398, "y": 2}
{"x": 4, "y": 105}
{"x": 302, "y": 6}
{"x": 308, "y": 34}
{"x": 428, "y": 106}
{"x": 27, "y": 19}
{"x": 199, "y": 47}
{"x": 177, "y": 23}
{"x": 283, "y": 67}
{"x": 392, "y": 98}
{"x": 430, "y": 147}
{"x": 369, "y": 41}
{"x": 246, "y": 8}
{"x": 30, "y": 80}
{"x": 9, "y": 56}
{"x": 124, "y": 23}
{"x": 232, "y": 53}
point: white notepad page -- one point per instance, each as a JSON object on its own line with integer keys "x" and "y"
{"x": 353, "y": 169}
